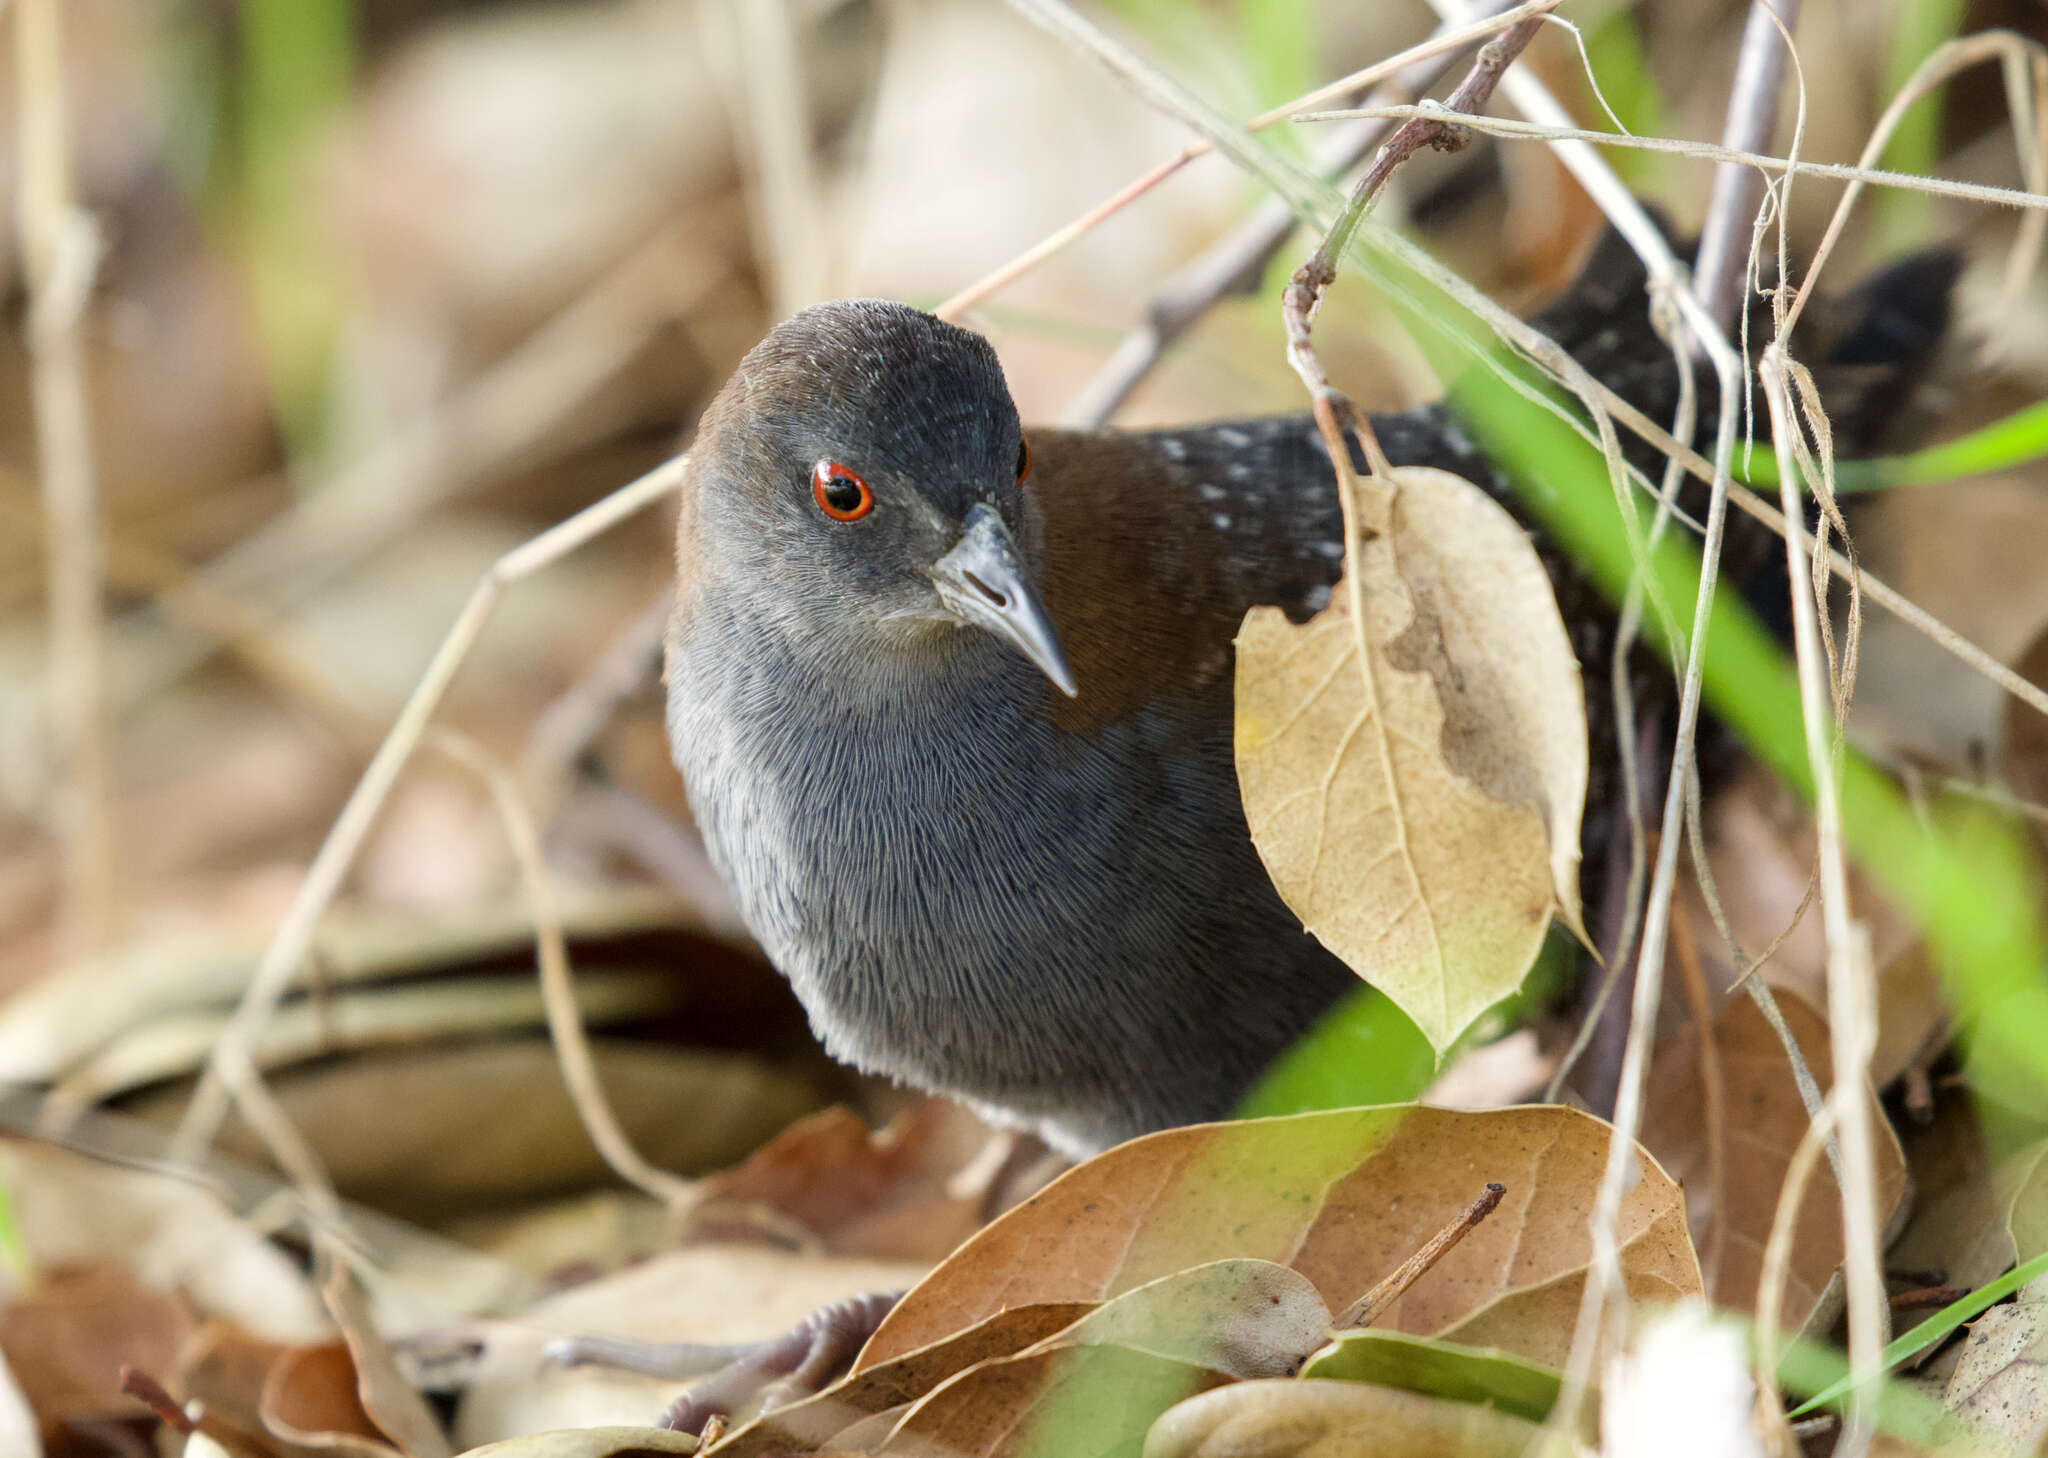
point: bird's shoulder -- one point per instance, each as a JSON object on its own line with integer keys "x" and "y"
{"x": 1158, "y": 542}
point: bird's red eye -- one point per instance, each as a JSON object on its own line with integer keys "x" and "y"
{"x": 1023, "y": 458}
{"x": 840, "y": 493}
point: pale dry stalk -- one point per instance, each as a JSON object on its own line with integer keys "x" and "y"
{"x": 557, "y": 983}
{"x": 1718, "y": 269}
{"x": 1851, "y": 994}
{"x": 1777, "y": 1262}
{"x": 1229, "y": 264}
{"x": 1603, "y": 1286}
{"x": 231, "y": 1073}
{"x": 1713, "y": 1090}
{"x": 60, "y": 251}
{"x": 2023, "y": 96}
{"x": 1508, "y": 129}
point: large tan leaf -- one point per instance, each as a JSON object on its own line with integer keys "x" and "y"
{"x": 1343, "y": 1197}
{"x": 1765, "y": 1120}
{"x": 1415, "y": 774}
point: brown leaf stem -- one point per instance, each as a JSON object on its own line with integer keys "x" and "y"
{"x": 1396, "y": 1282}
{"x": 1304, "y": 292}
{"x": 139, "y": 1385}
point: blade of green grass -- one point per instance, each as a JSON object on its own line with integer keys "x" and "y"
{"x": 296, "y": 63}
{"x": 1902, "y": 1410}
{"x": 1903, "y": 217}
{"x": 1614, "y": 47}
{"x": 1936, "y": 1328}
{"x": 2018, "y": 439}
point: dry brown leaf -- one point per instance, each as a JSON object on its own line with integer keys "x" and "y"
{"x": 1415, "y": 778}
{"x": 392, "y": 1403}
{"x": 2024, "y": 757}
{"x": 709, "y": 1293}
{"x": 2000, "y": 1383}
{"x": 311, "y": 1399}
{"x": 1766, "y": 1120}
{"x": 1326, "y": 1419}
{"x": 1342, "y": 1197}
{"x": 67, "y": 1338}
{"x": 1762, "y": 847}
{"x": 225, "y": 1370}
{"x": 894, "y": 1385}
{"x": 883, "y": 1193}
{"x": 169, "y": 1234}
{"x": 1244, "y": 1318}
{"x": 1957, "y": 1234}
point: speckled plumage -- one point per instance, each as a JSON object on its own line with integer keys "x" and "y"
{"x": 1048, "y": 907}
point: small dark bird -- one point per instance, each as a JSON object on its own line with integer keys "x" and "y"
{"x": 952, "y": 701}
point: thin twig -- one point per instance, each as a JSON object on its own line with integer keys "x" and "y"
{"x": 60, "y": 251}
{"x": 145, "y": 1389}
{"x": 557, "y": 983}
{"x": 1437, "y": 128}
{"x": 1508, "y": 129}
{"x": 1391, "y": 1287}
{"x": 1851, "y": 999}
{"x": 1752, "y": 117}
{"x": 565, "y": 729}
{"x": 1777, "y": 1261}
{"x": 1528, "y": 94}
{"x": 231, "y": 1071}
{"x": 1713, "y": 1092}
{"x": 1234, "y": 263}
{"x": 1304, "y": 293}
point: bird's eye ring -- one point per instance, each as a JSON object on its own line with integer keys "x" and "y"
{"x": 840, "y": 493}
{"x": 1023, "y": 458}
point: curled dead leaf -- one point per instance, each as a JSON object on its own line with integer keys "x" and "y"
{"x": 1767, "y": 1119}
{"x": 1413, "y": 759}
{"x": 1330, "y": 1419}
{"x": 1440, "y": 1369}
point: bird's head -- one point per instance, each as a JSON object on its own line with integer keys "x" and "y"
{"x": 864, "y": 470}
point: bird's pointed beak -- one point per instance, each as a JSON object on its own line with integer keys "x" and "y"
{"x": 982, "y": 581}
